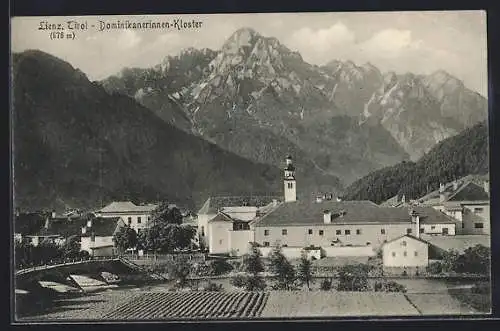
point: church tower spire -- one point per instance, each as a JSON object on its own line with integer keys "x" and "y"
{"x": 289, "y": 180}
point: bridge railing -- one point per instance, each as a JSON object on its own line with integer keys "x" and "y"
{"x": 64, "y": 261}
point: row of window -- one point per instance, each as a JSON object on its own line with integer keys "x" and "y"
{"x": 139, "y": 220}
{"x": 284, "y": 232}
{"x": 405, "y": 254}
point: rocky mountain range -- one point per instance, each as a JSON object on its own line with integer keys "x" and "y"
{"x": 258, "y": 99}
{"x": 75, "y": 145}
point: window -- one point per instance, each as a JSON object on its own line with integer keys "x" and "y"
{"x": 382, "y": 231}
{"x": 149, "y": 218}
{"x": 338, "y": 232}
{"x": 408, "y": 231}
{"x": 433, "y": 227}
{"x": 220, "y": 242}
{"x": 129, "y": 220}
{"x": 445, "y": 231}
{"x": 321, "y": 232}
{"x": 416, "y": 253}
{"x": 310, "y": 231}
{"x": 139, "y": 220}
{"x": 403, "y": 243}
{"x": 463, "y": 225}
{"x": 266, "y": 243}
{"x": 478, "y": 210}
{"x": 266, "y": 232}
{"x": 284, "y": 232}
{"x": 421, "y": 230}
{"x": 290, "y": 185}
{"x": 478, "y": 225}
{"x": 358, "y": 231}
{"x": 393, "y": 254}
{"x": 347, "y": 232}
{"x": 203, "y": 231}
{"x": 404, "y": 253}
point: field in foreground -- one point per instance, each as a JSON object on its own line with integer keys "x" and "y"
{"x": 151, "y": 304}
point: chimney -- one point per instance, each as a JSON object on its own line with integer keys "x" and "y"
{"x": 415, "y": 219}
{"x": 53, "y": 214}
{"x": 327, "y": 217}
{"x": 89, "y": 223}
{"x": 47, "y": 222}
{"x": 486, "y": 185}
{"x": 441, "y": 187}
{"x": 84, "y": 230}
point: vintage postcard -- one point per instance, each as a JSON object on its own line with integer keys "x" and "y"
{"x": 250, "y": 166}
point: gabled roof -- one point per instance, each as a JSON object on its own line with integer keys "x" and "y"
{"x": 221, "y": 217}
{"x": 28, "y": 223}
{"x": 103, "y": 226}
{"x": 127, "y": 206}
{"x": 408, "y": 236}
{"x": 429, "y": 215}
{"x": 215, "y": 204}
{"x": 311, "y": 213}
{"x": 469, "y": 186}
{"x": 469, "y": 192}
{"x": 63, "y": 227}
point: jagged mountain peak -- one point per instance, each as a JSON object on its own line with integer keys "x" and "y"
{"x": 244, "y": 38}
{"x": 442, "y": 78}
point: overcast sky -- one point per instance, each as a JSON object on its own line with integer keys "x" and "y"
{"x": 418, "y": 42}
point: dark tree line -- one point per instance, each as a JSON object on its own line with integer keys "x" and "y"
{"x": 453, "y": 158}
{"x": 26, "y": 254}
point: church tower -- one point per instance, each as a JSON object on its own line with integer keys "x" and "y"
{"x": 289, "y": 181}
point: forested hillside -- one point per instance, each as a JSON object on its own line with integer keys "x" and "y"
{"x": 455, "y": 157}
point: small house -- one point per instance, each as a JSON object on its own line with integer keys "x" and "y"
{"x": 405, "y": 255}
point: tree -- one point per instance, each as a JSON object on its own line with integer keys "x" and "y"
{"x": 125, "y": 238}
{"x": 305, "y": 273}
{"x": 166, "y": 213}
{"x": 282, "y": 269}
{"x": 326, "y": 285}
{"x": 476, "y": 260}
{"x": 451, "y": 261}
{"x": 353, "y": 277}
{"x": 252, "y": 262}
{"x": 72, "y": 248}
{"x": 166, "y": 234}
{"x": 179, "y": 270}
{"x": 219, "y": 267}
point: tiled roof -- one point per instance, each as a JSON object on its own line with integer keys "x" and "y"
{"x": 63, "y": 227}
{"x": 311, "y": 213}
{"x": 468, "y": 189}
{"x": 458, "y": 242}
{"x": 214, "y": 204}
{"x": 429, "y": 215}
{"x": 127, "y": 206}
{"x": 28, "y": 223}
{"x": 469, "y": 192}
{"x": 103, "y": 227}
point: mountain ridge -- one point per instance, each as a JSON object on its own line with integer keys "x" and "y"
{"x": 76, "y": 145}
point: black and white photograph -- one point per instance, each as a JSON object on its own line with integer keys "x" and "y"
{"x": 260, "y": 166}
